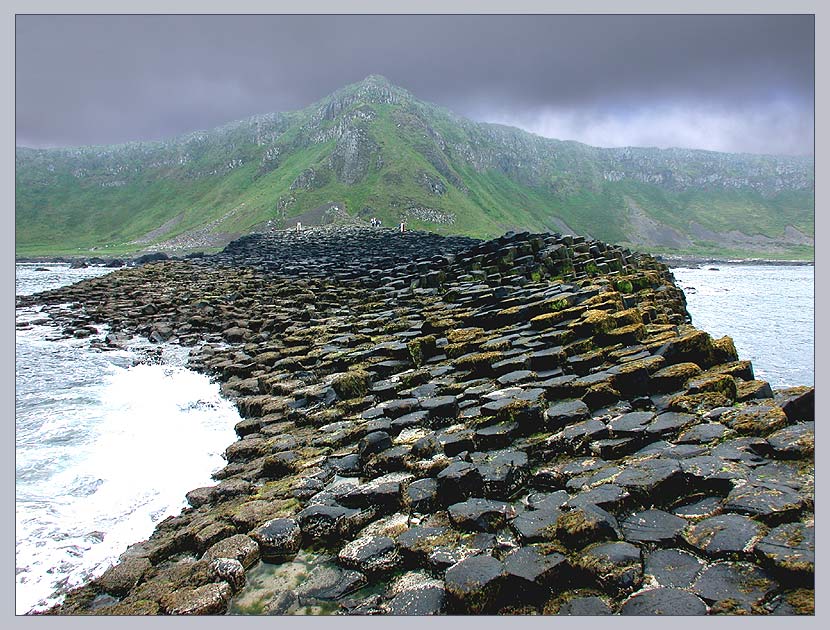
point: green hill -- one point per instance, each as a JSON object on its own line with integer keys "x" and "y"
{"x": 372, "y": 149}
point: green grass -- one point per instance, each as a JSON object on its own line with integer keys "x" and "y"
{"x": 57, "y": 213}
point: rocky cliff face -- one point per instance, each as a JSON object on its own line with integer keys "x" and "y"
{"x": 440, "y": 425}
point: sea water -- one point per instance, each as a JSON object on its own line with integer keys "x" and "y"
{"x": 107, "y": 444}
{"x": 768, "y": 310}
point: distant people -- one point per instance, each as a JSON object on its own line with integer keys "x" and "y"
{"x": 403, "y": 227}
{"x": 299, "y": 227}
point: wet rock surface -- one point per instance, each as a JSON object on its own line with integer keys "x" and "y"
{"x": 527, "y": 425}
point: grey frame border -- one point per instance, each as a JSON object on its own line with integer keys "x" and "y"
{"x": 369, "y": 7}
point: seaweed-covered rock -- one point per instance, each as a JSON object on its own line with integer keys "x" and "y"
{"x": 119, "y": 579}
{"x": 239, "y": 547}
{"x": 794, "y": 442}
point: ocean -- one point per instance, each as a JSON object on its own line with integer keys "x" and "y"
{"x": 768, "y": 310}
{"x": 107, "y": 444}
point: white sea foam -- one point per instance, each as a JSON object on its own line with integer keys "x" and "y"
{"x": 104, "y": 451}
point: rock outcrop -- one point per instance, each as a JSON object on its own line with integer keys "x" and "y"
{"x": 527, "y": 425}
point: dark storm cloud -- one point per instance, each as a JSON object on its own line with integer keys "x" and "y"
{"x": 738, "y": 83}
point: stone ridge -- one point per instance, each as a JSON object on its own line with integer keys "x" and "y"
{"x": 527, "y": 425}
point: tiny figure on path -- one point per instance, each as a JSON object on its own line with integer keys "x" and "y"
{"x": 299, "y": 227}
{"x": 403, "y": 227}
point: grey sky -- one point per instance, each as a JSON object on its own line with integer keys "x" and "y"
{"x": 728, "y": 83}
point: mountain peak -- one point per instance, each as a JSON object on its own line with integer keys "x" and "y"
{"x": 374, "y": 88}
{"x": 377, "y": 79}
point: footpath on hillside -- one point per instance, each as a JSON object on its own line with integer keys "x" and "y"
{"x": 438, "y": 425}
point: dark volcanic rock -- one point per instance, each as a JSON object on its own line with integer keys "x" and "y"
{"x": 371, "y": 554}
{"x": 479, "y": 515}
{"x": 322, "y": 521}
{"x": 799, "y": 403}
{"x": 374, "y": 443}
{"x": 724, "y": 535}
{"x": 652, "y": 526}
{"x": 422, "y": 495}
{"x": 590, "y": 606}
{"x": 586, "y": 524}
{"x": 771, "y": 503}
{"x": 330, "y": 582}
{"x": 442, "y": 407}
{"x": 664, "y": 601}
{"x": 279, "y": 539}
{"x": 417, "y": 594}
{"x": 474, "y": 584}
{"x": 536, "y": 525}
{"x": 614, "y": 565}
{"x": 428, "y": 406}
{"x": 672, "y": 567}
{"x": 564, "y": 413}
{"x": 733, "y": 587}
{"x": 790, "y": 549}
{"x": 458, "y": 481}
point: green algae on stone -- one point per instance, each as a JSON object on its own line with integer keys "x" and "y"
{"x": 758, "y": 419}
{"x": 421, "y": 349}
{"x": 352, "y": 384}
{"x": 802, "y": 601}
{"x": 725, "y": 350}
{"x": 549, "y": 320}
{"x": 719, "y": 383}
{"x": 698, "y": 403}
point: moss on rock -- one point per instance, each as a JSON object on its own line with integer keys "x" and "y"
{"x": 352, "y": 384}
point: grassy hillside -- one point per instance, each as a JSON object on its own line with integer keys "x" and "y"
{"x": 371, "y": 149}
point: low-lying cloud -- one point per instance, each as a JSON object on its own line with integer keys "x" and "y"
{"x": 721, "y": 82}
{"x": 711, "y": 128}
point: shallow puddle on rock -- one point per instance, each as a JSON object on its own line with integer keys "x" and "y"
{"x": 265, "y": 581}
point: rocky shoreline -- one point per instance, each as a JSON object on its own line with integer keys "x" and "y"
{"x": 439, "y": 425}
